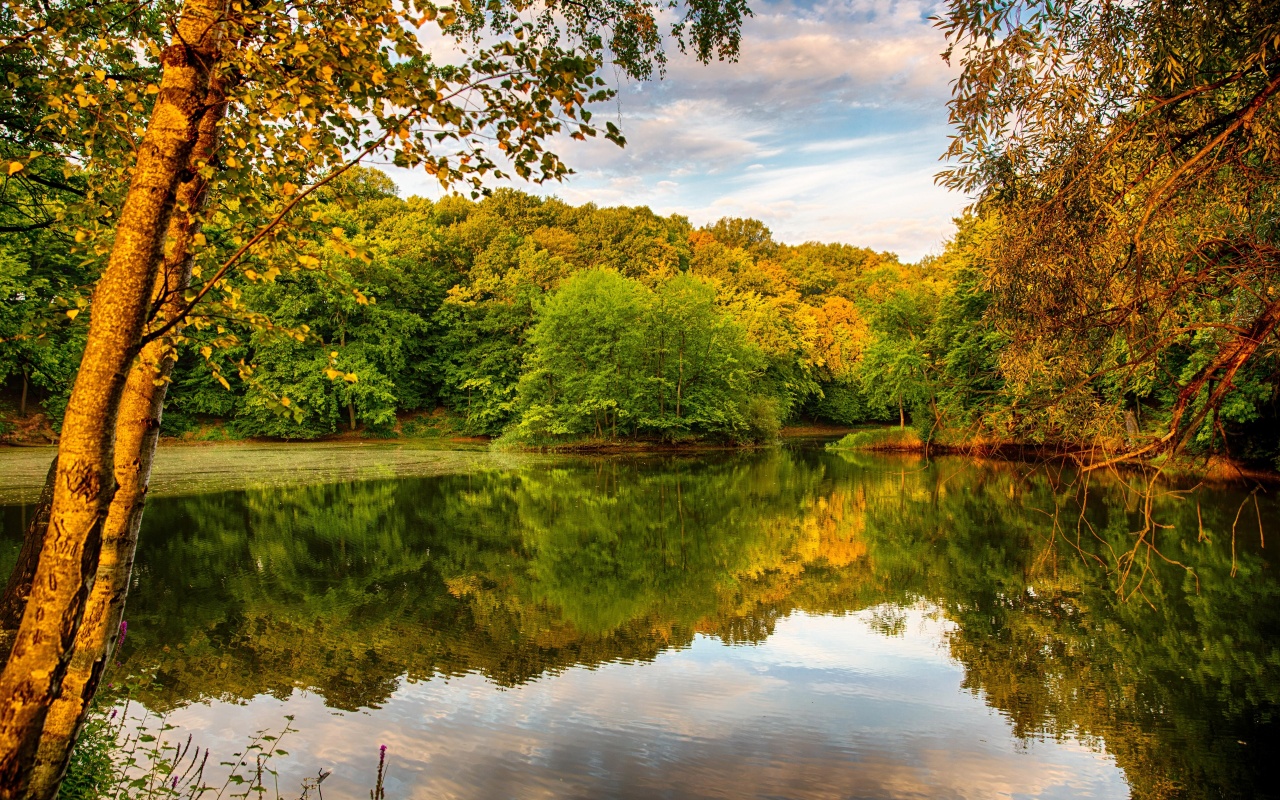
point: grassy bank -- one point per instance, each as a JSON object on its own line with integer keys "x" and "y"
{"x": 887, "y": 440}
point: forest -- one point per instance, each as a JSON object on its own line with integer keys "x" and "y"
{"x": 543, "y": 323}
{"x": 1110, "y": 293}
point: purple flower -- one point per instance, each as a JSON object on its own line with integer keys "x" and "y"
{"x": 113, "y": 713}
{"x": 175, "y": 781}
{"x": 124, "y": 628}
{"x": 382, "y": 749}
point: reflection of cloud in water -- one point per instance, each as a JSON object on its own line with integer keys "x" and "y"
{"x": 825, "y": 708}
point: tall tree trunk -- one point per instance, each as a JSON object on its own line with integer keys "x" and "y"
{"x": 84, "y": 484}
{"x": 137, "y": 432}
{"x": 680, "y": 379}
{"x": 902, "y": 415}
{"x": 351, "y": 414}
{"x": 22, "y": 404}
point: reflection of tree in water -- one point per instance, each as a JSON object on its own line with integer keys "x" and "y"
{"x": 346, "y": 588}
{"x": 1171, "y": 679}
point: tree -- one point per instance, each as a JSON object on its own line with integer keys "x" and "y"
{"x": 40, "y": 349}
{"x": 699, "y": 362}
{"x": 895, "y": 364}
{"x": 583, "y": 371}
{"x": 303, "y": 92}
{"x": 1127, "y": 155}
{"x": 608, "y": 353}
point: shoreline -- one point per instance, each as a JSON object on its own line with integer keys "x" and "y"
{"x": 428, "y": 455}
{"x": 1211, "y": 469}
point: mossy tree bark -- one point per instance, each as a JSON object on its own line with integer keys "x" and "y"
{"x": 85, "y": 478}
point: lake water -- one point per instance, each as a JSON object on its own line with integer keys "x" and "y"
{"x": 789, "y": 623}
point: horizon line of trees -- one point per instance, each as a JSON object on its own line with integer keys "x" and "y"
{"x": 538, "y": 319}
{"x": 544, "y": 322}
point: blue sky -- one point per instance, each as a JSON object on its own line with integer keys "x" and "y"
{"x": 828, "y": 128}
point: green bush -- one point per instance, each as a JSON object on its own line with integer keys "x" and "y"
{"x": 763, "y": 422}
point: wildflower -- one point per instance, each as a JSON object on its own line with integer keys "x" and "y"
{"x": 113, "y": 714}
{"x": 124, "y": 627}
{"x": 382, "y": 750}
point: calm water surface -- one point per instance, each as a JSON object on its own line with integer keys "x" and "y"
{"x": 789, "y": 623}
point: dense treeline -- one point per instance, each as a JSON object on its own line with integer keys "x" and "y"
{"x": 549, "y": 322}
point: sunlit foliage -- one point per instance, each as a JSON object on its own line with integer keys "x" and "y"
{"x": 1124, "y": 157}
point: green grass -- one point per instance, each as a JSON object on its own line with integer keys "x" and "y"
{"x": 880, "y": 439}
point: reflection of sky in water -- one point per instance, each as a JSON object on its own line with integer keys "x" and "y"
{"x": 826, "y": 707}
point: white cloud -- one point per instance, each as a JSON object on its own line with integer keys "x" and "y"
{"x": 828, "y": 128}
{"x": 823, "y": 708}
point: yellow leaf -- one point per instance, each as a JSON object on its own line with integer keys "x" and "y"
{"x": 199, "y": 239}
{"x": 15, "y": 167}
{"x": 339, "y": 232}
{"x": 206, "y": 351}
{"x": 350, "y": 377}
{"x": 224, "y": 383}
{"x": 308, "y": 261}
{"x": 284, "y": 401}
{"x": 71, "y": 313}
